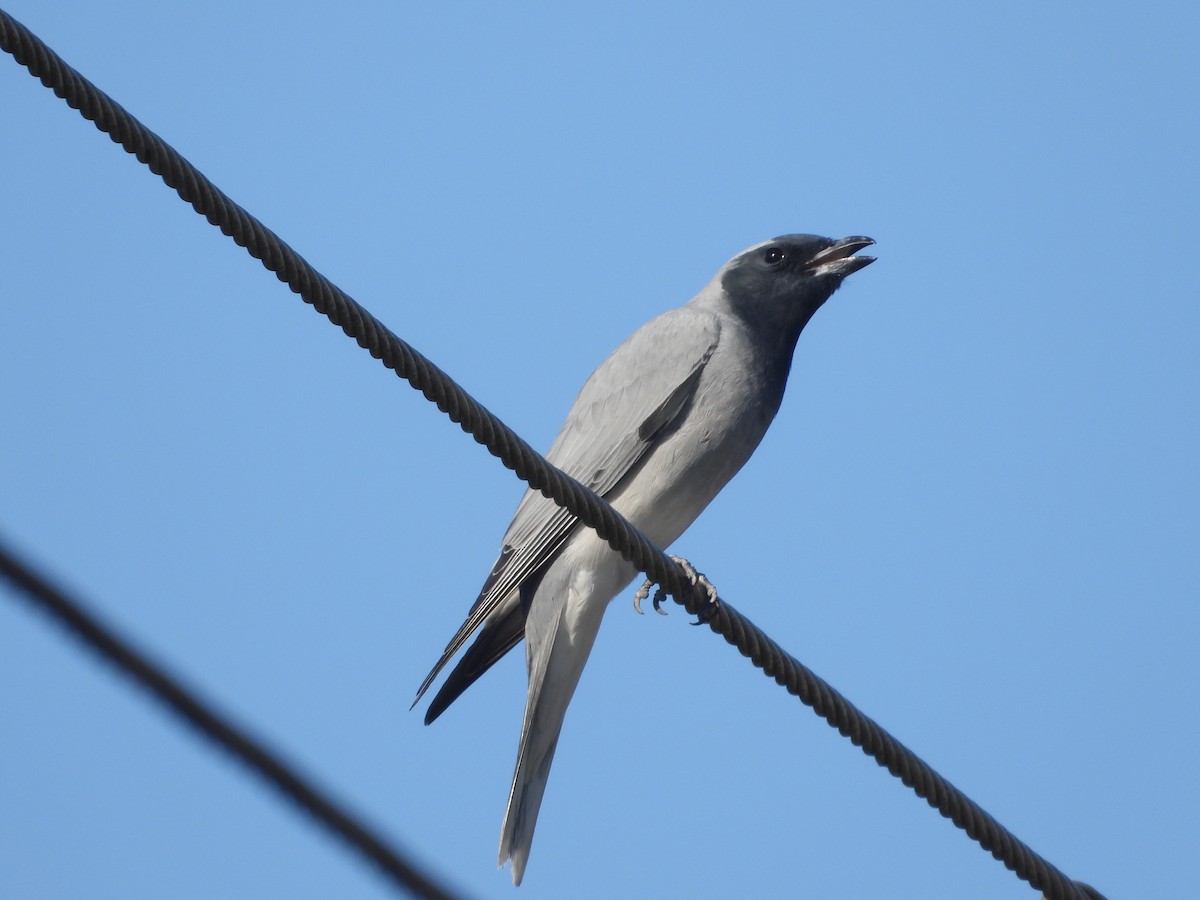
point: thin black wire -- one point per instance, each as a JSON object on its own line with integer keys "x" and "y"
{"x": 169, "y": 690}
{"x": 517, "y": 455}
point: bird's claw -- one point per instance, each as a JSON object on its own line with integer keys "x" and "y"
{"x": 643, "y": 592}
{"x": 706, "y": 612}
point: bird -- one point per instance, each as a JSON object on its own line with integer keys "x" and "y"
{"x": 657, "y": 430}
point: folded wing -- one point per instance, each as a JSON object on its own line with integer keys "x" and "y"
{"x": 623, "y": 410}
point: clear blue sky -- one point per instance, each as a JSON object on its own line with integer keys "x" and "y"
{"x": 976, "y": 513}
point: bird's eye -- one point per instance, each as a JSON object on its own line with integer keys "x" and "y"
{"x": 773, "y": 256}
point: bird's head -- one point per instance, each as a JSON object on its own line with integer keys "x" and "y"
{"x": 780, "y": 283}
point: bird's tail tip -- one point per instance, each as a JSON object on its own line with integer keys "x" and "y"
{"x": 518, "y": 856}
{"x": 516, "y": 834}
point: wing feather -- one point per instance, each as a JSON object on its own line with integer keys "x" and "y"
{"x": 627, "y": 405}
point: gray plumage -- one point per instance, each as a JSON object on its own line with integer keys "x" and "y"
{"x": 658, "y": 429}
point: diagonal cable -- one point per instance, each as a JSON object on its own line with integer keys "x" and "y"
{"x": 516, "y": 454}
{"x": 170, "y": 691}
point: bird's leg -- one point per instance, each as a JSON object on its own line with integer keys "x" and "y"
{"x": 707, "y": 611}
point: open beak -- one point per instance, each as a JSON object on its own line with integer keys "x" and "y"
{"x": 839, "y": 259}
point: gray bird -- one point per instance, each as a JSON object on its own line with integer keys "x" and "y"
{"x": 657, "y": 430}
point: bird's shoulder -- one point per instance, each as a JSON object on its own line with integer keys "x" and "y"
{"x": 621, "y": 410}
{"x": 643, "y": 372}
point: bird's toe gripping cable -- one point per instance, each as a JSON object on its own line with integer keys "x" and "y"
{"x": 707, "y": 611}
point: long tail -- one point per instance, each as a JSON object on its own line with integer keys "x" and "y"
{"x": 554, "y": 668}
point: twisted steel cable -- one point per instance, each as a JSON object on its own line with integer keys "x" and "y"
{"x": 292, "y": 269}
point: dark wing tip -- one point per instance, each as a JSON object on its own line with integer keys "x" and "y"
{"x": 426, "y": 683}
{"x": 497, "y": 637}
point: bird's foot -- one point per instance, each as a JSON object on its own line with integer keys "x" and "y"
{"x": 643, "y": 592}
{"x": 707, "y": 610}
{"x": 712, "y": 602}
